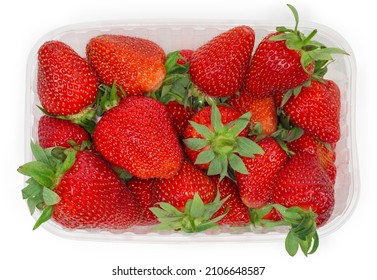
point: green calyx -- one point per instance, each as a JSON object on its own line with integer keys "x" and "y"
{"x": 196, "y": 217}
{"x": 286, "y": 131}
{"x": 108, "y": 97}
{"x": 222, "y": 146}
{"x": 176, "y": 84}
{"x": 311, "y": 51}
{"x": 303, "y": 229}
{"x": 45, "y": 173}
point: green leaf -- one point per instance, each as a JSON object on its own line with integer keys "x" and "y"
{"x": 197, "y": 207}
{"x": 295, "y": 14}
{"x": 68, "y": 162}
{"x": 224, "y": 166}
{"x": 216, "y": 119}
{"x": 196, "y": 144}
{"x": 237, "y": 164}
{"x": 248, "y": 148}
{"x": 291, "y": 244}
{"x": 315, "y": 243}
{"x": 326, "y": 53}
{"x": 215, "y": 166}
{"x": 159, "y": 213}
{"x": 305, "y": 60}
{"x": 32, "y": 203}
{"x": 170, "y": 208}
{"x": 39, "y": 171}
{"x": 205, "y": 157}
{"x": 237, "y": 126}
{"x": 50, "y": 197}
{"x": 202, "y": 130}
{"x": 44, "y": 217}
{"x": 32, "y": 189}
{"x": 39, "y": 153}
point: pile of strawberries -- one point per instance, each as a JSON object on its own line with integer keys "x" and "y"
{"x": 220, "y": 136}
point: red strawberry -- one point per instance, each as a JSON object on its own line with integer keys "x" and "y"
{"x": 263, "y": 111}
{"x": 135, "y": 64}
{"x": 317, "y": 110}
{"x": 275, "y": 68}
{"x": 238, "y": 214}
{"x": 304, "y": 183}
{"x": 215, "y": 138}
{"x": 180, "y": 188}
{"x": 180, "y": 116}
{"x": 256, "y": 187}
{"x": 218, "y": 67}
{"x": 66, "y": 84}
{"x": 186, "y": 56}
{"x": 286, "y": 60}
{"x": 142, "y": 190}
{"x": 82, "y": 191}
{"x": 309, "y": 145}
{"x": 138, "y": 136}
{"x": 54, "y": 132}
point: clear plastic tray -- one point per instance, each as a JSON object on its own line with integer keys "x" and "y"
{"x": 190, "y": 35}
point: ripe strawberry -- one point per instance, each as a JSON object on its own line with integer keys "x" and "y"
{"x": 138, "y": 136}
{"x": 325, "y": 154}
{"x": 182, "y": 187}
{"x": 136, "y": 64}
{"x": 54, "y": 132}
{"x": 263, "y": 111}
{"x": 215, "y": 137}
{"x": 285, "y": 60}
{"x": 66, "y": 84}
{"x": 180, "y": 116}
{"x": 142, "y": 190}
{"x": 78, "y": 190}
{"x": 186, "y": 56}
{"x": 304, "y": 183}
{"x": 218, "y": 67}
{"x": 256, "y": 187}
{"x": 317, "y": 110}
{"x": 238, "y": 214}
{"x": 275, "y": 68}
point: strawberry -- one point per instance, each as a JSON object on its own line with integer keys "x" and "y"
{"x": 324, "y": 153}
{"x": 135, "y": 64}
{"x": 180, "y": 188}
{"x": 238, "y": 214}
{"x": 54, "y": 132}
{"x": 257, "y": 186}
{"x": 66, "y": 84}
{"x": 180, "y": 116}
{"x": 317, "y": 110}
{"x": 286, "y": 60}
{"x": 138, "y": 136}
{"x": 218, "y": 67}
{"x": 216, "y": 138}
{"x": 302, "y": 199}
{"x": 304, "y": 183}
{"x": 185, "y": 56}
{"x": 78, "y": 189}
{"x": 188, "y": 201}
{"x": 263, "y": 111}
{"x": 142, "y": 189}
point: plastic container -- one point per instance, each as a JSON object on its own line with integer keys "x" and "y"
{"x": 190, "y": 35}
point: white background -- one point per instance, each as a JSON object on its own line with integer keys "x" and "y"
{"x": 41, "y": 255}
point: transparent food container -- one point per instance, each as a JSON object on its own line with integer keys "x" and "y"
{"x": 177, "y": 35}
